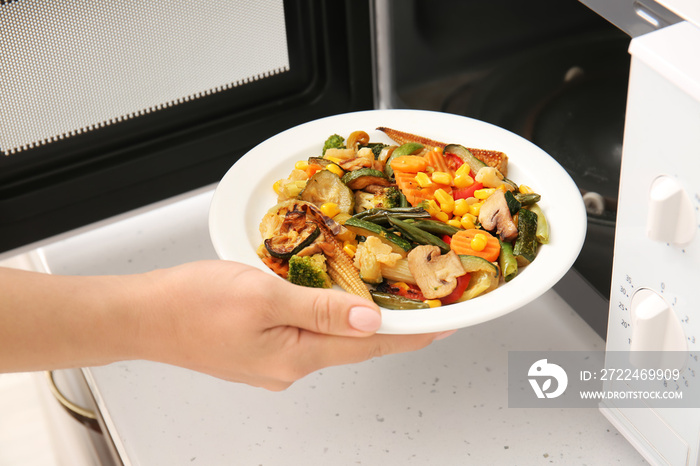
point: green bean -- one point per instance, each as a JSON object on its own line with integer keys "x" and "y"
{"x": 507, "y": 262}
{"x": 435, "y": 227}
{"x": 415, "y": 234}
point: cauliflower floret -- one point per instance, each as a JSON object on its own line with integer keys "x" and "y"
{"x": 491, "y": 177}
{"x": 370, "y": 256}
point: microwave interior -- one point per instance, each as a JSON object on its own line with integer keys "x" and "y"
{"x": 560, "y": 83}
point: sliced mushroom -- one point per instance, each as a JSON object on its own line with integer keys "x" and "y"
{"x": 435, "y": 274}
{"x": 495, "y": 215}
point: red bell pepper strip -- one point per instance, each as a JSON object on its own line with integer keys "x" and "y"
{"x": 462, "y": 284}
{"x": 464, "y": 193}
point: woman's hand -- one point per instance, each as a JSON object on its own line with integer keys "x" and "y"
{"x": 222, "y": 318}
{"x": 238, "y": 323}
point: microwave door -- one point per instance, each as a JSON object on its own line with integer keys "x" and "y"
{"x": 111, "y": 107}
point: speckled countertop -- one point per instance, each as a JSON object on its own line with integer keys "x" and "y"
{"x": 445, "y": 405}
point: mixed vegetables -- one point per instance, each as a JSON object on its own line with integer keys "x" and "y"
{"x": 411, "y": 225}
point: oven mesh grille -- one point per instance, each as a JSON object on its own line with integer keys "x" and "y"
{"x": 71, "y": 67}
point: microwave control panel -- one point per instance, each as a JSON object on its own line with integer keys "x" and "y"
{"x": 655, "y": 293}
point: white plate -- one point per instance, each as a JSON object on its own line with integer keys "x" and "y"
{"x": 245, "y": 194}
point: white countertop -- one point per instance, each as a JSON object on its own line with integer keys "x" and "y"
{"x": 444, "y": 405}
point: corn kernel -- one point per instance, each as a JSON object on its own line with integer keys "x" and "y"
{"x": 479, "y": 242}
{"x": 463, "y": 170}
{"x": 401, "y": 286}
{"x": 442, "y": 216}
{"x": 445, "y": 200}
{"x": 502, "y": 187}
{"x": 433, "y": 302}
{"x": 277, "y": 186}
{"x": 525, "y": 189}
{"x": 423, "y": 180}
{"x": 333, "y": 168}
{"x": 330, "y": 209}
{"x": 463, "y": 181}
{"x": 350, "y": 249}
{"x": 431, "y": 207}
{"x": 468, "y": 221}
{"x": 442, "y": 178}
{"x": 461, "y": 207}
{"x": 301, "y": 165}
{"x": 483, "y": 193}
{"x": 474, "y": 209}
{"x": 455, "y": 222}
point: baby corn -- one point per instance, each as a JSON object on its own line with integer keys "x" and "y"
{"x": 341, "y": 269}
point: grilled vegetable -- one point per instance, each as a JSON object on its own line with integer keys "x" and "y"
{"x": 388, "y": 197}
{"x": 435, "y": 227}
{"x": 381, "y": 216}
{"x": 419, "y": 236}
{"x": 513, "y": 203}
{"x": 363, "y": 228}
{"x": 495, "y": 215}
{"x": 309, "y": 271}
{"x": 363, "y": 177}
{"x": 295, "y": 234}
{"x": 325, "y": 186}
{"x": 506, "y": 259}
{"x": 527, "y": 199}
{"x": 478, "y": 264}
{"x": 525, "y": 247}
{"x": 435, "y": 274}
{"x": 396, "y": 302}
{"x": 542, "y": 232}
{"x": 334, "y": 141}
{"x": 409, "y": 148}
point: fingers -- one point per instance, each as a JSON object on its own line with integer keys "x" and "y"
{"x": 329, "y": 312}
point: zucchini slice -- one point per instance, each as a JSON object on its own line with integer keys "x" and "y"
{"x": 473, "y": 264}
{"x": 467, "y": 157}
{"x": 525, "y": 246}
{"x": 395, "y": 302}
{"x": 325, "y": 186}
{"x": 410, "y": 148}
{"x": 363, "y": 177}
{"x": 294, "y": 235}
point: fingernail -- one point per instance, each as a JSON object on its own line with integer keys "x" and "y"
{"x": 365, "y": 319}
{"x": 444, "y": 335}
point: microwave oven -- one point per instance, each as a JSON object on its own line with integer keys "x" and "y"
{"x": 80, "y": 150}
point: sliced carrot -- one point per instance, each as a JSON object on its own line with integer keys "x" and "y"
{"x": 279, "y": 266}
{"x": 312, "y": 169}
{"x": 409, "y": 163}
{"x": 462, "y": 244}
{"x": 438, "y": 161}
{"x": 415, "y": 194}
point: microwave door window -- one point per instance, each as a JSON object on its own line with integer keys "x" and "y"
{"x": 73, "y": 67}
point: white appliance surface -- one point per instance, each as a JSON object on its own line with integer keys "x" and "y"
{"x": 446, "y": 404}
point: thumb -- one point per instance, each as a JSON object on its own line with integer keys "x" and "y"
{"x": 330, "y": 312}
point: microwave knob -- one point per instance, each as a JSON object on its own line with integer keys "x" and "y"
{"x": 671, "y": 215}
{"x": 658, "y": 340}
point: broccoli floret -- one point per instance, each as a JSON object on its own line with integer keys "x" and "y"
{"x": 387, "y": 198}
{"x": 309, "y": 271}
{"x": 392, "y": 197}
{"x": 377, "y": 149}
{"x": 334, "y": 141}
